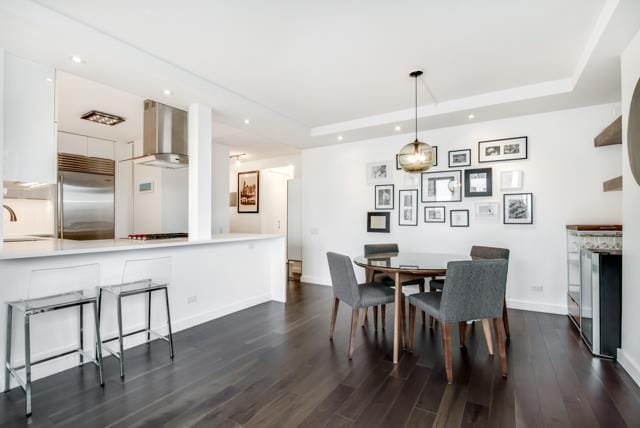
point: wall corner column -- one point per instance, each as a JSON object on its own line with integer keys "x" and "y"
{"x": 200, "y": 171}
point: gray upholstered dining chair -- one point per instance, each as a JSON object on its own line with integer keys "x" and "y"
{"x": 370, "y": 250}
{"x": 359, "y": 296}
{"x": 480, "y": 252}
{"x": 473, "y": 290}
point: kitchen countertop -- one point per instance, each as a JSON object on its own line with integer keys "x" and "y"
{"x": 60, "y": 247}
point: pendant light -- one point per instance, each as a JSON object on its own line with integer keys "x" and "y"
{"x": 416, "y": 156}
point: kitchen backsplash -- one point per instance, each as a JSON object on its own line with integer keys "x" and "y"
{"x": 35, "y": 217}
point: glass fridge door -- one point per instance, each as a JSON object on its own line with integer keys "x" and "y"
{"x": 586, "y": 300}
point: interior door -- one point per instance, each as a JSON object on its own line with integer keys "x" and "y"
{"x": 273, "y": 202}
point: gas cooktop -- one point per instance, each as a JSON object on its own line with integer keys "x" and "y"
{"x": 155, "y": 236}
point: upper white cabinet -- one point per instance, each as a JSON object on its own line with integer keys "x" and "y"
{"x": 97, "y": 148}
{"x": 86, "y": 146}
{"x": 29, "y": 123}
{"x": 72, "y": 144}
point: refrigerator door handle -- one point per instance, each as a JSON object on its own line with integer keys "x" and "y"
{"x": 60, "y": 207}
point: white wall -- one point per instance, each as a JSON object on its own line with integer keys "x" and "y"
{"x": 123, "y": 189}
{"x": 629, "y": 355}
{"x": 564, "y": 172}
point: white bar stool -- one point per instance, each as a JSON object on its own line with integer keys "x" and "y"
{"x": 77, "y": 286}
{"x": 141, "y": 276}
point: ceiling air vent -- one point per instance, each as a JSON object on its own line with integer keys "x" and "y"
{"x": 103, "y": 118}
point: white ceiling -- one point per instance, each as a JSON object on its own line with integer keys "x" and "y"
{"x": 306, "y": 72}
{"x": 76, "y": 96}
{"x": 331, "y": 61}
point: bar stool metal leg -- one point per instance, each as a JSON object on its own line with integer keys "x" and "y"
{"x": 120, "y": 337}
{"x": 98, "y": 342}
{"x": 81, "y": 332}
{"x": 27, "y": 361}
{"x": 148, "y": 316}
{"x": 99, "y": 298}
{"x": 7, "y": 349}
{"x": 166, "y": 296}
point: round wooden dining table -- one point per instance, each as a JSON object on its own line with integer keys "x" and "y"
{"x": 403, "y": 267}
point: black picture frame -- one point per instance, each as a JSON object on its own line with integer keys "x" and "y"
{"x": 435, "y": 155}
{"x": 387, "y": 217}
{"x": 245, "y": 194}
{"x": 457, "y": 172}
{"x": 398, "y": 167}
{"x": 375, "y": 197}
{"x": 453, "y": 152}
{"x": 505, "y": 208}
{"x": 467, "y": 182}
{"x": 500, "y": 142}
{"x": 415, "y": 207}
{"x": 444, "y": 214}
{"x": 451, "y": 212}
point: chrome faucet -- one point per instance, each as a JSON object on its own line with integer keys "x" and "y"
{"x": 12, "y": 213}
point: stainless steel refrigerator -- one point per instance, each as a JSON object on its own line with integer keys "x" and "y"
{"x": 86, "y": 198}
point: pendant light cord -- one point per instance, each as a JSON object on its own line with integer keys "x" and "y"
{"x": 416, "y": 105}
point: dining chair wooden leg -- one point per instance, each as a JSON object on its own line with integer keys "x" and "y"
{"x": 412, "y": 327}
{"x": 486, "y": 328}
{"x": 431, "y": 319}
{"x": 363, "y": 316}
{"x": 383, "y": 316}
{"x": 505, "y": 320}
{"x": 352, "y": 336}
{"x": 462, "y": 331}
{"x": 498, "y": 327}
{"x": 446, "y": 344}
{"x": 375, "y": 318}
{"x": 334, "y": 315}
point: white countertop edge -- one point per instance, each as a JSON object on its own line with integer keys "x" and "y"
{"x": 22, "y": 250}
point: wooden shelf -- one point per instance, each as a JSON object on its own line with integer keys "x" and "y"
{"x": 613, "y": 185}
{"x": 611, "y": 135}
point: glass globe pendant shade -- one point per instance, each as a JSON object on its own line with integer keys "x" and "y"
{"x": 416, "y": 157}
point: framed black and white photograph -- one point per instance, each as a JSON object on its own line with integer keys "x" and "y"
{"x": 378, "y": 222}
{"x": 379, "y": 172}
{"x": 398, "y": 167}
{"x": 435, "y": 214}
{"x": 511, "y": 180}
{"x": 504, "y": 149}
{"x": 408, "y": 207}
{"x": 435, "y": 155}
{"x": 249, "y": 191}
{"x": 458, "y": 158}
{"x": 384, "y": 196}
{"x": 459, "y": 218}
{"x": 478, "y": 182}
{"x": 489, "y": 210}
{"x": 518, "y": 208}
{"x": 443, "y": 186}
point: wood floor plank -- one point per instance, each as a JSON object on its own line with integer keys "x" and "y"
{"x": 273, "y": 365}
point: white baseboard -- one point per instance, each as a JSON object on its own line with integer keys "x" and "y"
{"x": 316, "y": 280}
{"x": 630, "y": 365}
{"x": 527, "y": 305}
{"x": 511, "y": 303}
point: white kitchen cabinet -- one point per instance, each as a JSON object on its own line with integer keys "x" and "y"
{"x": 72, "y": 144}
{"x": 97, "y": 148}
{"x": 29, "y": 153}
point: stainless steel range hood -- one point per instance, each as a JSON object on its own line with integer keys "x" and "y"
{"x": 165, "y": 137}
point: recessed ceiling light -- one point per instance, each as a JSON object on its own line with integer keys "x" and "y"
{"x": 167, "y": 92}
{"x": 247, "y": 121}
{"x": 339, "y": 137}
{"x": 103, "y": 118}
{"x": 77, "y": 59}
{"x": 398, "y": 128}
{"x": 471, "y": 116}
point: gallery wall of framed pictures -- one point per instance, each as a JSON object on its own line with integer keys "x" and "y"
{"x": 456, "y": 192}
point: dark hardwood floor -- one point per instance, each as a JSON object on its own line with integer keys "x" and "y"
{"x": 273, "y": 365}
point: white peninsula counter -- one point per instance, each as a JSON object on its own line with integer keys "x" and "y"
{"x": 209, "y": 279}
